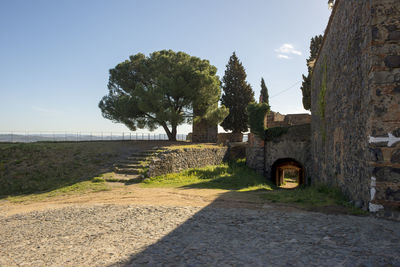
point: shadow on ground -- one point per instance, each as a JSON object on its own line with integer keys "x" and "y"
{"x": 253, "y": 235}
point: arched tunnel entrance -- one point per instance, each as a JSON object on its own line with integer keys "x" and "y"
{"x": 287, "y": 173}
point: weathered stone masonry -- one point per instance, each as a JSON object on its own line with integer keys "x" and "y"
{"x": 295, "y": 144}
{"x": 356, "y": 104}
{"x": 176, "y": 160}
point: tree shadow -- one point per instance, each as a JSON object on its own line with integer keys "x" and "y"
{"x": 238, "y": 232}
{"x": 235, "y": 176}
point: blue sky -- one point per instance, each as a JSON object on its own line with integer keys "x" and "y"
{"x": 55, "y": 54}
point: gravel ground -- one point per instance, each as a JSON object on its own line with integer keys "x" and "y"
{"x": 132, "y": 235}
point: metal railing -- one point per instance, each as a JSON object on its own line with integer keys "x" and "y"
{"x": 66, "y": 136}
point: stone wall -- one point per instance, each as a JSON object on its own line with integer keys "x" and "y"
{"x": 294, "y": 144}
{"x": 355, "y": 98}
{"x": 225, "y": 138}
{"x": 275, "y": 119}
{"x": 255, "y": 153}
{"x": 176, "y": 160}
{"x": 203, "y": 132}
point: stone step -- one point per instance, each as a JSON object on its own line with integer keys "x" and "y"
{"x": 126, "y": 170}
{"x": 125, "y": 178}
{"x": 140, "y": 155}
{"x": 128, "y": 164}
{"x": 135, "y": 158}
{"x": 131, "y": 161}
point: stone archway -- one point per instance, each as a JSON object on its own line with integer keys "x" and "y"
{"x": 284, "y": 164}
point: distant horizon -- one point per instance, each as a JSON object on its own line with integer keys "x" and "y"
{"x": 56, "y": 55}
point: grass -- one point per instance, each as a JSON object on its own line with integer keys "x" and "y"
{"x": 190, "y": 146}
{"x": 97, "y": 184}
{"x": 42, "y": 167}
{"x": 237, "y": 177}
{"x": 230, "y": 176}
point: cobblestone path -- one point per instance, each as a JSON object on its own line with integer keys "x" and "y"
{"x": 121, "y": 235}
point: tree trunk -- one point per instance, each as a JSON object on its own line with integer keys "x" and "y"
{"x": 171, "y": 135}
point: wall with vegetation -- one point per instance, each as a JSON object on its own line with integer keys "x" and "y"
{"x": 280, "y": 143}
{"x": 355, "y": 98}
{"x": 288, "y": 142}
{"x": 178, "y": 159}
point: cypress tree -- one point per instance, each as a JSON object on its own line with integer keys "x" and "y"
{"x": 315, "y": 44}
{"x": 236, "y": 96}
{"x": 264, "y": 97}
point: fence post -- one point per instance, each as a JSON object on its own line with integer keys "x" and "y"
{"x": 123, "y": 136}
{"x": 12, "y": 139}
{"x": 111, "y": 136}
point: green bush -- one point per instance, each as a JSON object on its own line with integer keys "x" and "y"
{"x": 275, "y": 132}
{"x": 257, "y": 114}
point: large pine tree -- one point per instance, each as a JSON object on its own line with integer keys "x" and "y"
{"x": 236, "y": 96}
{"x": 264, "y": 97}
{"x": 306, "y": 85}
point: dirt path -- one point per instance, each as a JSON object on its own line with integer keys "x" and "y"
{"x": 133, "y": 226}
{"x": 135, "y": 194}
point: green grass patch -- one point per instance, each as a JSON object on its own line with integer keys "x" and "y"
{"x": 236, "y": 176}
{"x": 39, "y": 167}
{"x": 190, "y": 146}
{"x": 97, "y": 184}
{"x": 229, "y": 176}
{"x": 312, "y": 197}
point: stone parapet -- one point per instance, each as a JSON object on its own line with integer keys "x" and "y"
{"x": 176, "y": 160}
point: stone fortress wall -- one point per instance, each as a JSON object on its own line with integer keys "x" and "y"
{"x": 355, "y": 105}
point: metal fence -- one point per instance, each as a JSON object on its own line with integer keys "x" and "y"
{"x": 54, "y": 136}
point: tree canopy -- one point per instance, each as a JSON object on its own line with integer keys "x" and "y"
{"x": 237, "y": 95}
{"x": 264, "y": 97}
{"x": 162, "y": 90}
{"x": 315, "y": 44}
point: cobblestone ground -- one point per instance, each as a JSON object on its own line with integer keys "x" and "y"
{"x": 116, "y": 235}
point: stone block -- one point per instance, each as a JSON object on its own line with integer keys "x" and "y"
{"x": 392, "y": 61}
{"x": 387, "y": 174}
{"x": 395, "y": 158}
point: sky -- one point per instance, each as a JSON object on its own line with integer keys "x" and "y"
{"x": 55, "y": 54}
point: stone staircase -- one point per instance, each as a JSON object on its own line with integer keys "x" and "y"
{"x": 132, "y": 168}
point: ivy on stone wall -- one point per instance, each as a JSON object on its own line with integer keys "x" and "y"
{"x": 322, "y": 99}
{"x": 275, "y": 132}
{"x": 257, "y": 114}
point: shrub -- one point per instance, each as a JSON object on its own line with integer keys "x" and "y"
{"x": 257, "y": 114}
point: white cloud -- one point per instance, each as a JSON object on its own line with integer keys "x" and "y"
{"x": 285, "y": 50}
{"x": 283, "y": 56}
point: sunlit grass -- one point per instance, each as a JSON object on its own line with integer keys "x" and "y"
{"x": 38, "y": 167}
{"x": 229, "y": 176}
{"x": 97, "y": 184}
{"x": 190, "y": 146}
{"x": 236, "y": 176}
